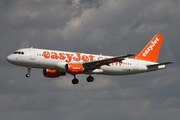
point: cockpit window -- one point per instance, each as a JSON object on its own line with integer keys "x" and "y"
{"x": 19, "y": 52}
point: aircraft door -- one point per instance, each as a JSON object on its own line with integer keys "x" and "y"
{"x": 136, "y": 66}
{"x": 32, "y": 54}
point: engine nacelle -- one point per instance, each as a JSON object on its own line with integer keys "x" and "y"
{"x": 52, "y": 73}
{"x": 74, "y": 68}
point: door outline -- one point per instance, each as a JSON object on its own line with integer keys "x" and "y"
{"x": 32, "y": 54}
{"x": 136, "y": 66}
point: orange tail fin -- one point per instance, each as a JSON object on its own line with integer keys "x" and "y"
{"x": 151, "y": 51}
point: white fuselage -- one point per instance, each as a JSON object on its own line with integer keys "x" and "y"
{"x": 52, "y": 59}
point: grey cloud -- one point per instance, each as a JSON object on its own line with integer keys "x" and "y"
{"x": 98, "y": 26}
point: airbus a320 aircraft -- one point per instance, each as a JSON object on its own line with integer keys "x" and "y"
{"x": 59, "y": 63}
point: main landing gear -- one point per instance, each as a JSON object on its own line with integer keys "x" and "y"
{"x": 90, "y": 78}
{"x": 76, "y": 81}
{"x": 28, "y": 74}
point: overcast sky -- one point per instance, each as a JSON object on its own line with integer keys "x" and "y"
{"x": 110, "y": 27}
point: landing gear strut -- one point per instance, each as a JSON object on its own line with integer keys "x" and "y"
{"x": 28, "y": 74}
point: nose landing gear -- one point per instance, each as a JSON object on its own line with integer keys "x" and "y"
{"x": 28, "y": 74}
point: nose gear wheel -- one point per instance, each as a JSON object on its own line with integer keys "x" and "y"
{"x": 28, "y": 74}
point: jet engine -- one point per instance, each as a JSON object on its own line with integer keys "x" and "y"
{"x": 52, "y": 73}
{"x": 74, "y": 68}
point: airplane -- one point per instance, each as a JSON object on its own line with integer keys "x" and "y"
{"x": 59, "y": 63}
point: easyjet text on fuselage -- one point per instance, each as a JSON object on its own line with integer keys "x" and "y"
{"x": 74, "y": 57}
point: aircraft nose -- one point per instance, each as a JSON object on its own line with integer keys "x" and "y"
{"x": 10, "y": 58}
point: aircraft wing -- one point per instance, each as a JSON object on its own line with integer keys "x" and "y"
{"x": 90, "y": 66}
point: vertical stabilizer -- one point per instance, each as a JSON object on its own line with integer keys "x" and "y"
{"x": 151, "y": 51}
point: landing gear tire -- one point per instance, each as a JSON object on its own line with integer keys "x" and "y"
{"x": 28, "y": 75}
{"x": 75, "y": 81}
{"x": 90, "y": 79}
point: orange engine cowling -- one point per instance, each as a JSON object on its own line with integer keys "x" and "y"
{"x": 52, "y": 73}
{"x": 74, "y": 68}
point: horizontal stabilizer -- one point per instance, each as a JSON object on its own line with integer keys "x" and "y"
{"x": 154, "y": 65}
